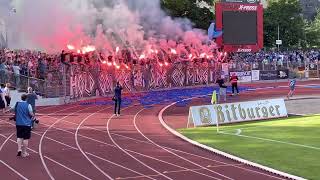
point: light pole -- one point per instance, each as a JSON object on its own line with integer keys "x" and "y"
{"x": 278, "y": 37}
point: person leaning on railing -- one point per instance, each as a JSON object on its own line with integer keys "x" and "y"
{"x": 3, "y": 69}
{"x": 31, "y": 99}
{"x": 7, "y": 93}
{"x": 16, "y": 70}
{"x": 3, "y": 103}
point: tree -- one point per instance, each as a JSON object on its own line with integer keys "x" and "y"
{"x": 313, "y": 32}
{"x": 287, "y": 15}
{"x": 201, "y": 16}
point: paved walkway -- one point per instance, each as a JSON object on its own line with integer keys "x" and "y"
{"x": 304, "y": 105}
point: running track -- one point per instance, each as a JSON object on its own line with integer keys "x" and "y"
{"x": 88, "y": 142}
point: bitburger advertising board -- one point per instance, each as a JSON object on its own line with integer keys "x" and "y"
{"x": 237, "y": 112}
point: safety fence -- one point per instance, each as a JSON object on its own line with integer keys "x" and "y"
{"x": 51, "y": 86}
{"x": 255, "y": 71}
{"x": 77, "y": 82}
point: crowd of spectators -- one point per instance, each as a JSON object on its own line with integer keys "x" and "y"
{"x": 20, "y": 66}
{"x": 268, "y": 60}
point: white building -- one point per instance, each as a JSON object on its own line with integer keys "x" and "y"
{"x": 309, "y": 8}
{"x": 3, "y": 35}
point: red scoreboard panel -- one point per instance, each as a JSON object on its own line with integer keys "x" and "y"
{"x": 242, "y": 26}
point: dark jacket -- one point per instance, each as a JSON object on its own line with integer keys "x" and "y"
{"x": 117, "y": 92}
{"x": 221, "y": 83}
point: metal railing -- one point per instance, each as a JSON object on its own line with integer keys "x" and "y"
{"x": 298, "y": 69}
{"x": 57, "y": 82}
{"x": 48, "y": 87}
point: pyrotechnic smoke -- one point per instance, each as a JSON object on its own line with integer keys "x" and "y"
{"x": 53, "y": 24}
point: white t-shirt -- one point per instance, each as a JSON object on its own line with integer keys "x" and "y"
{"x": 16, "y": 70}
{"x": 6, "y": 91}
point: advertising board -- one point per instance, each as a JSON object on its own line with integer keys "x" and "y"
{"x": 237, "y": 112}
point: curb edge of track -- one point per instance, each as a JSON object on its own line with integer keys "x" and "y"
{"x": 221, "y": 153}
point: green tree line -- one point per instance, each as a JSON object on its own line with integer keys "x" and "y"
{"x": 294, "y": 30}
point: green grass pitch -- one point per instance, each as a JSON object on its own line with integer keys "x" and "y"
{"x": 291, "y": 145}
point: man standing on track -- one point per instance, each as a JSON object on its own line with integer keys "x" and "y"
{"x": 117, "y": 99}
{"x": 31, "y": 99}
{"x": 24, "y": 114}
{"x": 234, "y": 82}
{"x": 223, "y": 89}
{"x": 292, "y": 85}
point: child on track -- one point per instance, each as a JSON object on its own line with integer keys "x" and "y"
{"x": 292, "y": 86}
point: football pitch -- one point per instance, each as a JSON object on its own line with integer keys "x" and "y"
{"x": 291, "y": 145}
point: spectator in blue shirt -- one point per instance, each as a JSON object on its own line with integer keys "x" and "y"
{"x": 23, "y": 115}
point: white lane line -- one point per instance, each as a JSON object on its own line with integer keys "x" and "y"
{"x": 137, "y": 140}
{"x": 205, "y": 158}
{"x": 85, "y": 177}
{"x": 131, "y": 170}
{"x": 101, "y": 142}
{"x": 169, "y": 148}
{"x": 123, "y": 150}
{"x": 2, "y": 145}
{"x": 80, "y": 149}
{"x": 44, "y": 134}
{"x": 147, "y": 142}
{"x": 41, "y": 108}
{"x": 8, "y": 166}
{"x": 84, "y": 153}
{"x": 62, "y": 109}
{"x": 13, "y": 170}
{"x": 271, "y": 140}
{"x": 34, "y": 151}
{"x": 184, "y": 170}
{"x": 71, "y": 147}
{"x": 229, "y": 156}
{"x": 187, "y": 160}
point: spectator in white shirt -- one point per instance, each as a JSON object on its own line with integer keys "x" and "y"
{"x": 16, "y": 70}
{"x": 7, "y": 95}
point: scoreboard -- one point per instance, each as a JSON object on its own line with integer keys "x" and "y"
{"x": 242, "y": 24}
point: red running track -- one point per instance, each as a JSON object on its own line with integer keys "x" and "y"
{"x": 88, "y": 142}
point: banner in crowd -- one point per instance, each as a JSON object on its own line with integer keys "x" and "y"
{"x": 283, "y": 74}
{"x": 313, "y": 67}
{"x": 255, "y": 75}
{"x": 313, "y": 74}
{"x": 237, "y": 112}
{"x": 244, "y": 76}
{"x": 225, "y": 69}
{"x": 274, "y": 75}
{"x": 268, "y": 75}
{"x": 101, "y": 82}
